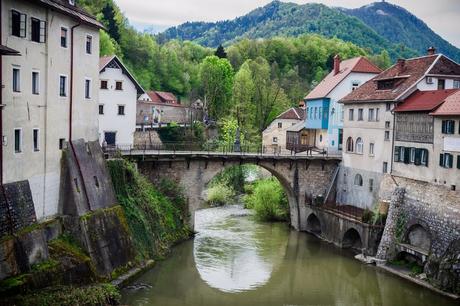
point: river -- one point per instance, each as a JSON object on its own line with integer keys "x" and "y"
{"x": 234, "y": 260}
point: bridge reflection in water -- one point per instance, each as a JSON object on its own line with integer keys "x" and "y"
{"x": 236, "y": 261}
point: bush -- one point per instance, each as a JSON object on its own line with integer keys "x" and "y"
{"x": 219, "y": 195}
{"x": 268, "y": 201}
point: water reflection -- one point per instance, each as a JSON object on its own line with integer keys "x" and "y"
{"x": 235, "y": 261}
{"x": 233, "y": 253}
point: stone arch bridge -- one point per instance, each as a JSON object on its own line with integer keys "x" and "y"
{"x": 303, "y": 177}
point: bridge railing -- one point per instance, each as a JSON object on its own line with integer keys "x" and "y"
{"x": 207, "y": 147}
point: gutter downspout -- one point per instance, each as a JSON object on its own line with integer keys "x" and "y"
{"x": 71, "y": 112}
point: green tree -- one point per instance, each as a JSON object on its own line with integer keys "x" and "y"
{"x": 217, "y": 79}
{"x": 220, "y": 52}
{"x": 107, "y": 45}
{"x": 243, "y": 108}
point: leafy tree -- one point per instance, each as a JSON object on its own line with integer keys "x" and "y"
{"x": 217, "y": 79}
{"x": 110, "y": 22}
{"x": 107, "y": 45}
{"x": 220, "y": 52}
{"x": 243, "y": 108}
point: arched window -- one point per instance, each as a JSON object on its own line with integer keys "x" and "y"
{"x": 358, "y": 180}
{"x": 350, "y": 145}
{"x": 359, "y": 145}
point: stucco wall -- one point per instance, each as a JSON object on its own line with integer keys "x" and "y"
{"x": 47, "y": 111}
{"x": 273, "y": 131}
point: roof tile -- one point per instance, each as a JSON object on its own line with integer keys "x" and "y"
{"x": 421, "y": 101}
{"x": 450, "y": 107}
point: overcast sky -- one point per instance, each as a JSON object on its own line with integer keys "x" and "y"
{"x": 443, "y": 16}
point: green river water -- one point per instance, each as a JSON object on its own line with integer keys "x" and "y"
{"x": 234, "y": 260}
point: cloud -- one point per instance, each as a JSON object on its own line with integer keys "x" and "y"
{"x": 441, "y": 15}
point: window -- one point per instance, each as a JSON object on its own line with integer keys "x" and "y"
{"x": 358, "y": 180}
{"x": 280, "y": 125}
{"x": 101, "y": 109}
{"x": 63, "y": 86}
{"x": 38, "y": 32}
{"x": 387, "y": 135}
{"x": 387, "y": 124}
{"x": 89, "y": 44}
{"x": 16, "y": 80}
{"x": 87, "y": 89}
{"x": 423, "y": 157}
{"x": 121, "y": 110}
{"x": 320, "y": 138}
{"x": 354, "y": 85}
{"x": 360, "y": 114}
{"x": 104, "y": 84}
{"x": 456, "y": 83}
{"x": 351, "y": 115}
{"x": 441, "y": 84}
{"x": 448, "y": 127}
{"x": 397, "y": 154}
{"x": 458, "y": 161}
{"x": 377, "y": 114}
{"x": 119, "y": 85}
{"x": 18, "y": 24}
{"x": 61, "y": 143}
{"x": 359, "y": 145}
{"x": 275, "y": 139}
{"x": 342, "y": 115}
{"x": 35, "y": 83}
{"x": 64, "y": 32}
{"x": 412, "y": 155}
{"x": 371, "y": 116}
{"x": 388, "y": 107}
{"x": 350, "y": 146}
{"x": 446, "y": 160}
{"x": 429, "y": 80}
{"x": 36, "y": 139}
{"x": 385, "y": 84}
{"x": 371, "y": 148}
{"x": 371, "y": 185}
{"x": 385, "y": 167}
{"x": 17, "y": 140}
{"x": 316, "y": 112}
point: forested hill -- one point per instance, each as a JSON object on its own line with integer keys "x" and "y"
{"x": 396, "y": 24}
{"x": 289, "y": 19}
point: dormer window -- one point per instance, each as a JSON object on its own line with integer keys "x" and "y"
{"x": 354, "y": 85}
{"x": 385, "y": 84}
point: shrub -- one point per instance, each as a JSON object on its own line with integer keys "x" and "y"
{"x": 268, "y": 201}
{"x": 219, "y": 195}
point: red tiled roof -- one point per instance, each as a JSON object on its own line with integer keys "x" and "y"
{"x": 294, "y": 113}
{"x": 104, "y": 61}
{"x": 162, "y": 97}
{"x": 357, "y": 64}
{"x": 450, "y": 107}
{"x": 421, "y": 101}
{"x": 406, "y": 77}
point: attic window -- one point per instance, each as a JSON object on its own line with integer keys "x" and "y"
{"x": 385, "y": 84}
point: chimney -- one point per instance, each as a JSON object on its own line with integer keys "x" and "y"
{"x": 431, "y": 50}
{"x": 401, "y": 65}
{"x": 336, "y": 64}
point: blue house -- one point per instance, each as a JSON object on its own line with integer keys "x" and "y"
{"x": 324, "y": 115}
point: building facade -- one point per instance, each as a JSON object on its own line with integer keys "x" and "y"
{"x": 49, "y": 93}
{"x": 325, "y": 115}
{"x": 118, "y": 93}
{"x": 274, "y": 137}
{"x": 369, "y": 124}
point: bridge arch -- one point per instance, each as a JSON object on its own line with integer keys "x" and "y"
{"x": 314, "y": 225}
{"x": 352, "y": 240}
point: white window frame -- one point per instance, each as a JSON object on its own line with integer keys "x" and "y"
{"x": 371, "y": 149}
{"x": 275, "y": 140}
{"x": 90, "y": 90}
{"x": 38, "y": 81}
{"x": 92, "y": 44}
{"x": 66, "y": 89}
{"x": 100, "y": 84}
{"x": 359, "y": 146}
{"x": 355, "y": 85}
{"x": 42, "y": 24}
{"x": 66, "y": 37}
{"x": 22, "y": 20}
{"x": 21, "y": 142}
{"x": 124, "y": 110}
{"x": 38, "y": 140}
{"x": 371, "y": 114}
{"x": 18, "y": 68}
{"x": 119, "y": 81}
{"x": 360, "y": 114}
{"x": 456, "y": 84}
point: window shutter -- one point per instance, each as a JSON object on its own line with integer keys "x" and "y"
{"x": 450, "y": 160}
{"x": 23, "y": 25}
{"x": 458, "y": 161}
{"x": 443, "y": 129}
{"x": 452, "y": 128}
{"x": 441, "y": 160}
{"x": 427, "y": 157}
{"x": 42, "y": 31}
{"x": 397, "y": 154}
{"x": 418, "y": 157}
{"x": 407, "y": 155}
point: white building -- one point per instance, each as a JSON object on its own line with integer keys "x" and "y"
{"x": 118, "y": 95}
{"x": 369, "y": 122}
{"x": 49, "y": 93}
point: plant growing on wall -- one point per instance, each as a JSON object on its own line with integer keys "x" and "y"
{"x": 400, "y": 226}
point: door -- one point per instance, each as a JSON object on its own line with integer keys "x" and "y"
{"x": 110, "y": 138}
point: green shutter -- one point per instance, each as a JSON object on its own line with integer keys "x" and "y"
{"x": 458, "y": 161}
{"x": 450, "y": 160}
{"x": 427, "y": 156}
{"x": 441, "y": 160}
{"x": 418, "y": 157}
{"x": 397, "y": 154}
{"x": 407, "y": 155}
{"x": 452, "y": 127}
{"x": 443, "y": 129}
